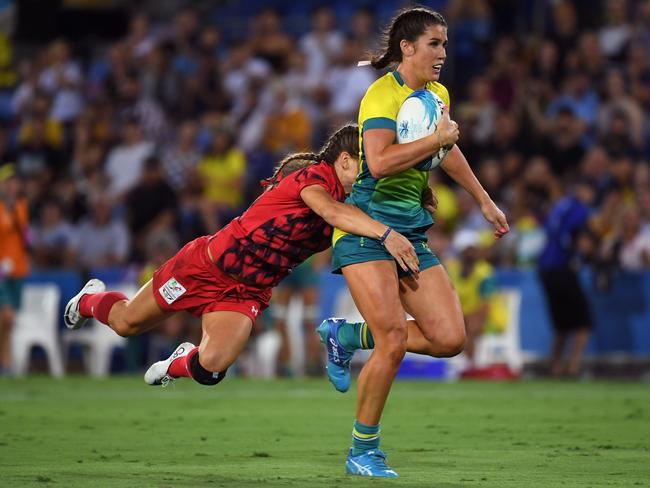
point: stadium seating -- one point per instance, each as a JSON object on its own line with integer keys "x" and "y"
{"x": 37, "y": 324}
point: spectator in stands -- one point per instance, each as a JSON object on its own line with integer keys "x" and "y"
{"x": 140, "y": 39}
{"x": 53, "y": 237}
{"x": 62, "y": 80}
{"x": 363, "y": 27}
{"x": 595, "y": 166}
{"x": 287, "y": 126}
{"x": 632, "y": 243}
{"x": 346, "y": 82}
{"x": 615, "y": 35}
{"x": 221, "y": 173}
{"x": 125, "y": 162}
{"x": 161, "y": 82}
{"x": 136, "y": 105}
{"x": 564, "y": 29}
{"x": 322, "y": 45}
{"x": 14, "y": 257}
{"x": 180, "y": 158}
{"x": 591, "y": 60}
{"x": 473, "y": 279}
{"x": 479, "y": 111}
{"x": 620, "y": 106}
{"x": 23, "y": 96}
{"x": 41, "y": 139}
{"x": 151, "y": 206}
{"x": 579, "y": 98}
{"x": 638, "y": 72}
{"x": 185, "y": 35}
{"x": 269, "y": 42}
{"x": 570, "y": 314}
{"x": 546, "y": 73}
{"x": 538, "y": 188}
{"x": 110, "y": 237}
{"x": 562, "y": 145}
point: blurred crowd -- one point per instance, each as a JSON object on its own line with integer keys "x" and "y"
{"x": 162, "y": 135}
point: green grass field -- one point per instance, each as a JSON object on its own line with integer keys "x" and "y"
{"x": 122, "y": 433}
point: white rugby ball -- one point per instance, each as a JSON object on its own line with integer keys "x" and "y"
{"x": 418, "y": 117}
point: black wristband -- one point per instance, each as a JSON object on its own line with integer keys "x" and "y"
{"x": 383, "y": 238}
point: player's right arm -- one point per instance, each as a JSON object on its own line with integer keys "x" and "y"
{"x": 377, "y": 114}
{"x": 353, "y": 221}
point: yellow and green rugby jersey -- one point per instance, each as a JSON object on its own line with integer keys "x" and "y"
{"x": 394, "y": 200}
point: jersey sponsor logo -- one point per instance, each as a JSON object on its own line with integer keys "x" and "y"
{"x": 171, "y": 290}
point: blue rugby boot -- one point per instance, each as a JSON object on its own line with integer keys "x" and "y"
{"x": 338, "y": 358}
{"x": 370, "y": 463}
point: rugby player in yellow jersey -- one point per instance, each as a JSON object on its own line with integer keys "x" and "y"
{"x": 390, "y": 186}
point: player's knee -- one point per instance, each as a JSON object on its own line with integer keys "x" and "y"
{"x": 124, "y": 327}
{"x": 215, "y": 360}
{"x": 451, "y": 343}
{"x": 394, "y": 346}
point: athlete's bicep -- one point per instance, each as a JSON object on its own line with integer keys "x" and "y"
{"x": 319, "y": 200}
{"x": 375, "y": 142}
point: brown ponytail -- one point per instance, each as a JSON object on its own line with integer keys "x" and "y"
{"x": 344, "y": 139}
{"x": 409, "y": 24}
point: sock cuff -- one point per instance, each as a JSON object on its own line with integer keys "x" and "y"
{"x": 362, "y": 335}
{"x": 101, "y": 304}
{"x": 365, "y": 429}
{"x": 190, "y": 355}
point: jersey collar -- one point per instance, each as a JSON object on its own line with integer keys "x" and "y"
{"x": 398, "y": 77}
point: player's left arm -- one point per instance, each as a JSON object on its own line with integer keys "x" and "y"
{"x": 456, "y": 166}
{"x": 350, "y": 219}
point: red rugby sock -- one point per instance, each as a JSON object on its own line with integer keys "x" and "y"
{"x": 180, "y": 367}
{"x": 99, "y": 305}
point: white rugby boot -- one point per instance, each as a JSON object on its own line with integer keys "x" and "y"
{"x": 72, "y": 317}
{"x": 157, "y": 374}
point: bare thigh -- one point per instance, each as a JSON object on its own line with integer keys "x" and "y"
{"x": 138, "y": 314}
{"x": 374, "y": 286}
{"x": 225, "y": 335}
{"x": 432, "y": 301}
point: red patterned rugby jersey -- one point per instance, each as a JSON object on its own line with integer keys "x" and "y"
{"x": 278, "y": 231}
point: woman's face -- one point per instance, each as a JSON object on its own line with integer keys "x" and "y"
{"x": 347, "y": 169}
{"x": 428, "y": 53}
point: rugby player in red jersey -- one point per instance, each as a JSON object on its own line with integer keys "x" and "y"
{"x": 226, "y": 278}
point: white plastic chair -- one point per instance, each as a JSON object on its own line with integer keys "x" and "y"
{"x": 98, "y": 341}
{"x": 503, "y": 347}
{"x": 37, "y": 324}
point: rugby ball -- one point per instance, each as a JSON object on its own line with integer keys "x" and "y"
{"x": 418, "y": 117}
